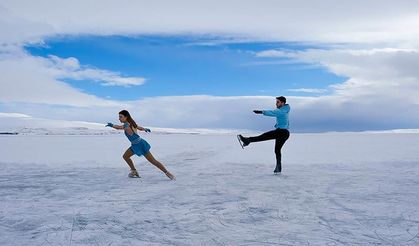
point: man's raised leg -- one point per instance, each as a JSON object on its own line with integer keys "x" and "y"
{"x": 264, "y": 137}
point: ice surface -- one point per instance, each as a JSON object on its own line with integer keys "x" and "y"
{"x": 337, "y": 189}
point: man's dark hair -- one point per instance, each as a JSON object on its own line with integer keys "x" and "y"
{"x": 282, "y": 99}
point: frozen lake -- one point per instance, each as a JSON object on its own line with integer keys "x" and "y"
{"x": 337, "y": 189}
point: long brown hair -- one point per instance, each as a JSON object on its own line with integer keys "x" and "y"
{"x": 129, "y": 118}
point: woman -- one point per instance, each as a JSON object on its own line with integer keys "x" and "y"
{"x": 138, "y": 145}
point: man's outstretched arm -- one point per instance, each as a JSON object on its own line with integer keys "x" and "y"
{"x": 275, "y": 112}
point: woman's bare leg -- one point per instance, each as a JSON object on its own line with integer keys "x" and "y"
{"x": 127, "y": 157}
{"x": 160, "y": 166}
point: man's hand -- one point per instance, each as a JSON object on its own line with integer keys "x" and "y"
{"x": 257, "y": 111}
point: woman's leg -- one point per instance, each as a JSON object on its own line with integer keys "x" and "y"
{"x": 156, "y": 163}
{"x": 127, "y": 157}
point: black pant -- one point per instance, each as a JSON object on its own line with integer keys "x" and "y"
{"x": 280, "y": 136}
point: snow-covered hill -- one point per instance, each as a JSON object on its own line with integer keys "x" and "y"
{"x": 26, "y": 125}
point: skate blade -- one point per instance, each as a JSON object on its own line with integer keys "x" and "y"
{"x": 134, "y": 177}
{"x": 240, "y": 142}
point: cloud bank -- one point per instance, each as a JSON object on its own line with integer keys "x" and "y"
{"x": 372, "y": 43}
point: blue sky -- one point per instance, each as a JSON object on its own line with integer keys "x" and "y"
{"x": 202, "y": 64}
{"x": 181, "y": 65}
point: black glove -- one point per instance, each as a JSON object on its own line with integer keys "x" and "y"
{"x": 257, "y": 111}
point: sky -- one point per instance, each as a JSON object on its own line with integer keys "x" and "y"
{"x": 207, "y": 64}
{"x": 179, "y": 66}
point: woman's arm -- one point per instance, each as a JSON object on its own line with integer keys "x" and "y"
{"x": 118, "y": 127}
{"x": 115, "y": 126}
{"x": 143, "y": 129}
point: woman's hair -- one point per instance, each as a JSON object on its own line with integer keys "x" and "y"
{"x": 129, "y": 118}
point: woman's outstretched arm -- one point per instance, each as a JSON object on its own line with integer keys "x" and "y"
{"x": 118, "y": 127}
{"x": 143, "y": 129}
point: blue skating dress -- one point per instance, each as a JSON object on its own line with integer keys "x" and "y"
{"x": 138, "y": 145}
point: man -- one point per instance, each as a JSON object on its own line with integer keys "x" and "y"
{"x": 280, "y": 134}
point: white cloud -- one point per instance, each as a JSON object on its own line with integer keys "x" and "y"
{"x": 198, "y": 111}
{"x": 277, "y": 53}
{"x": 365, "y": 22}
{"x": 308, "y": 90}
{"x": 14, "y": 115}
{"x": 71, "y": 68}
{"x": 326, "y": 113}
{"x": 382, "y": 89}
{"x": 28, "y": 79}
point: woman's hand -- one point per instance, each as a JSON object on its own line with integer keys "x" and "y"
{"x": 109, "y": 125}
{"x": 143, "y": 129}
